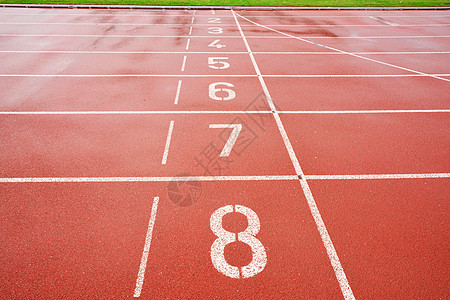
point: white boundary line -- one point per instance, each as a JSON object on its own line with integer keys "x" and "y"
{"x": 219, "y": 52}
{"x": 225, "y": 75}
{"x": 182, "y": 112}
{"x": 345, "y": 52}
{"x": 378, "y": 176}
{"x": 206, "y": 25}
{"x": 225, "y": 36}
{"x": 166, "y": 148}
{"x": 57, "y": 14}
{"x": 132, "y": 112}
{"x": 220, "y": 178}
{"x": 145, "y": 179}
{"x": 334, "y": 259}
{"x": 148, "y": 240}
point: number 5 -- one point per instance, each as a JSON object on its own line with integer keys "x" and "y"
{"x": 216, "y": 60}
{"x": 231, "y": 139}
{"x": 213, "y": 91}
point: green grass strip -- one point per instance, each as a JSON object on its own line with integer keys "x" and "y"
{"x": 319, "y": 3}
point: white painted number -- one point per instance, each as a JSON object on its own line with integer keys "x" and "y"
{"x": 224, "y": 237}
{"x": 231, "y": 139}
{"x": 213, "y": 61}
{"x": 213, "y": 91}
{"x": 216, "y": 44}
{"x": 214, "y": 20}
{"x": 215, "y": 30}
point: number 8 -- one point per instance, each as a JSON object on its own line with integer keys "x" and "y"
{"x": 259, "y": 257}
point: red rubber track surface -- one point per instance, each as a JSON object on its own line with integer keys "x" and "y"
{"x": 101, "y": 111}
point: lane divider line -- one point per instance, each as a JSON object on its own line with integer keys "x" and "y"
{"x": 177, "y": 96}
{"x": 224, "y": 75}
{"x": 184, "y": 63}
{"x": 326, "y": 239}
{"x": 166, "y": 148}
{"x": 156, "y": 112}
{"x": 148, "y": 240}
{"x": 221, "y": 178}
{"x": 223, "y": 52}
{"x": 187, "y": 44}
{"x": 224, "y": 36}
{"x": 345, "y": 52}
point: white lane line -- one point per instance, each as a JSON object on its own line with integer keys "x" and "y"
{"x": 214, "y": 75}
{"x": 221, "y": 52}
{"x": 166, "y": 148}
{"x": 177, "y": 96}
{"x": 190, "y": 31}
{"x": 383, "y": 21}
{"x": 326, "y": 239}
{"x": 120, "y": 75}
{"x": 187, "y": 44}
{"x": 182, "y": 112}
{"x": 345, "y": 52}
{"x": 133, "y": 112}
{"x": 213, "y": 12}
{"x": 225, "y": 36}
{"x": 184, "y": 63}
{"x": 378, "y": 176}
{"x": 148, "y": 240}
{"x": 381, "y": 111}
{"x": 353, "y": 75}
{"x": 145, "y": 179}
{"x": 225, "y": 25}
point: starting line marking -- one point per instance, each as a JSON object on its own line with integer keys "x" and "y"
{"x": 148, "y": 240}
{"x": 166, "y": 148}
{"x": 327, "y": 242}
{"x": 220, "y": 178}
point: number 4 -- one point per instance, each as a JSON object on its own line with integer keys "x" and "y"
{"x": 231, "y": 139}
{"x": 216, "y": 44}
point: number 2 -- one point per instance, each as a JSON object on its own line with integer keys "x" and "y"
{"x": 224, "y": 237}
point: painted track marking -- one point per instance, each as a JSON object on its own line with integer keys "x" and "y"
{"x": 345, "y": 52}
{"x": 187, "y": 44}
{"x": 177, "y": 96}
{"x": 156, "y": 112}
{"x": 184, "y": 63}
{"x": 166, "y": 148}
{"x": 215, "y": 75}
{"x": 221, "y": 52}
{"x": 148, "y": 240}
{"x": 383, "y": 21}
{"x": 331, "y": 251}
{"x": 222, "y": 178}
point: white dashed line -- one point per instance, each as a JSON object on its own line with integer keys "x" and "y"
{"x": 166, "y": 148}
{"x": 184, "y": 63}
{"x": 148, "y": 240}
{"x": 177, "y": 96}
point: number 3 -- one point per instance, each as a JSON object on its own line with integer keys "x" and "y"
{"x": 224, "y": 237}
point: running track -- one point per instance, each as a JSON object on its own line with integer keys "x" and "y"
{"x": 219, "y": 154}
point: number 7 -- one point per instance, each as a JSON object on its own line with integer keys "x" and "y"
{"x": 231, "y": 139}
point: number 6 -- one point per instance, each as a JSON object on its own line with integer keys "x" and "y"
{"x": 213, "y": 91}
